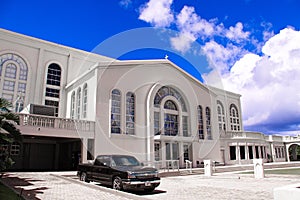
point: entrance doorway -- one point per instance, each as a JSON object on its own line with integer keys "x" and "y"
{"x": 294, "y": 152}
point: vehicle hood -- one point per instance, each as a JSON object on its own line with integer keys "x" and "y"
{"x": 136, "y": 169}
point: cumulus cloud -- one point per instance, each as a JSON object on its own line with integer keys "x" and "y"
{"x": 268, "y": 83}
{"x": 261, "y": 66}
{"x": 157, "y": 12}
{"x": 236, "y": 33}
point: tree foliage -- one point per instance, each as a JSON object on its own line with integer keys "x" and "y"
{"x": 8, "y": 133}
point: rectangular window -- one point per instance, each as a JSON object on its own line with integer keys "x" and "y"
{"x": 262, "y": 151}
{"x": 157, "y": 151}
{"x": 232, "y": 152}
{"x": 250, "y": 149}
{"x": 156, "y": 123}
{"x": 15, "y": 149}
{"x": 168, "y": 151}
{"x": 242, "y": 152}
{"x": 186, "y": 152}
{"x": 22, "y": 87}
{"x": 9, "y": 85}
{"x": 171, "y": 125}
{"x": 185, "y": 126}
{"x": 175, "y": 151}
{"x": 54, "y": 104}
{"x": 50, "y": 92}
{"x": 256, "y": 152}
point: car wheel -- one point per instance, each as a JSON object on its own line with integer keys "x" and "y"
{"x": 117, "y": 183}
{"x": 83, "y": 177}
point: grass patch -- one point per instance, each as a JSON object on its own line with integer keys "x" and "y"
{"x": 289, "y": 171}
{"x": 7, "y": 194}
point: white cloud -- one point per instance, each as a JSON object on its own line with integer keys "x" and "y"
{"x": 221, "y": 57}
{"x": 157, "y": 12}
{"x": 236, "y": 33}
{"x": 269, "y": 84}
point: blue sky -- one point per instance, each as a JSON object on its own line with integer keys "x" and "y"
{"x": 251, "y": 47}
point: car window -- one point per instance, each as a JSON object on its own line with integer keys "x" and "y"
{"x": 125, "y": 161}
{"x": 103, "y": 161}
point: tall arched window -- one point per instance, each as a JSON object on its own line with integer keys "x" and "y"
{"x": 53, "y": 86}
{"x": 200, "y": 123}
{"x": 72, "y": 110}
{"x": 13, "y": 79}
{"x": 84, "y": 101}
{"x": 221, "y": 116}
{"x": 234, "y": 118}
{"x": 208, "y": 123}
{"x": 169, "y": 91}
{"x": 78, "y": 103}
{"x": 54, "y": 74}
{"x": 170, "y": 113}
{"x": 130, "y": 113}
{"x": 116, "y": 111}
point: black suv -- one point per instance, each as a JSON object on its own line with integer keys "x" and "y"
{"x": 120, "y": 172}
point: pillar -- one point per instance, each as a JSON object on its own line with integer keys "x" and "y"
{"x": 84, "y": 150}
{"x": 258, "y": 168}
{"x": 207, "y": 168}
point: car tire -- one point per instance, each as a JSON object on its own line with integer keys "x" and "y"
{"x": 83, "y": 177}
{"x": 117, "y": 183}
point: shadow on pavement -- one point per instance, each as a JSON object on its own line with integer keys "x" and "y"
{"x": 18, "y": 184}
{"x": 136, "y": 192}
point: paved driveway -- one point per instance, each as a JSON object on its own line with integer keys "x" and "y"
{"x": 65, "y": 185}
{"x": 221, "y": 186}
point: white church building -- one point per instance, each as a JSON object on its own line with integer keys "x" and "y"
{"x": 74, "y": 105}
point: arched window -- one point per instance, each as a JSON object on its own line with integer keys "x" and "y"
{"x": 85, "y": 100}
{"x": 170, "y": 113}
{"x": 221, "y": 116}
{"x": 54, "y": 74}
{"x": 78, "y": 103}
{"x": 130, "y": 113}
{"x": 200, "y": 123}
{"x": 72, "y": 110}
{"x": 169, "y": 91}
{"x": 208, "y": 123}
{"x": 116, "y": 111}
{"x": 53, "y": 86}
{"x": 234, "y": 118}
{"x": 170, "y": 105}
{"x": 13, "y": 79}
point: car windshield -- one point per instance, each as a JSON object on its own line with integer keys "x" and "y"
{"x": 125, "y": 161}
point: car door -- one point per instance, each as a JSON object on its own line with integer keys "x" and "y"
{"x": 102, "y": 169}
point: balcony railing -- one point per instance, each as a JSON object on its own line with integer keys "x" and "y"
{"x": 54, "y": 122}
{"x": 243, "y": 135}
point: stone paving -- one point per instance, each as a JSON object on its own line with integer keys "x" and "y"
{"x": 221, "y": 186}
{"x": 65, "y": 185}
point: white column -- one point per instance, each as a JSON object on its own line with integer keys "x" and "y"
{"x": 207, "y": 168}
{"x": 84, "y": 150}
{"x": 287, "y": 154}
{"x": 258, "y": 168}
